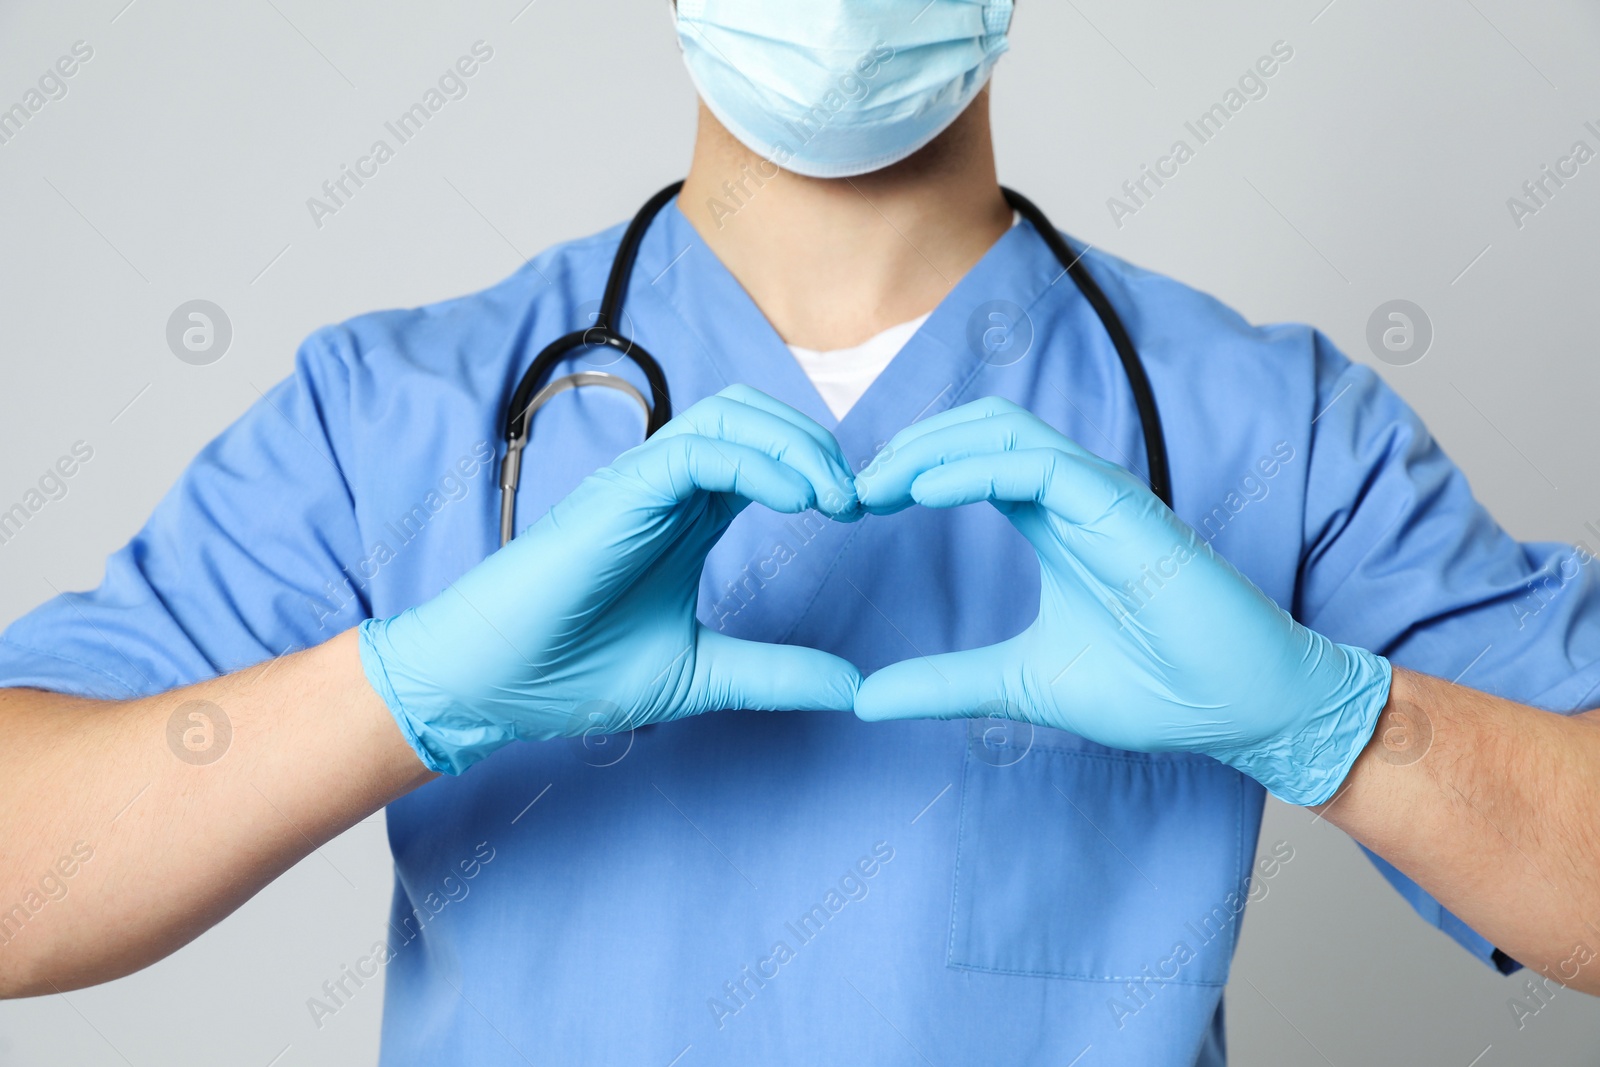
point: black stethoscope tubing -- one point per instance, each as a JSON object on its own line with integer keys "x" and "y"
{"x": 533, "y": 392}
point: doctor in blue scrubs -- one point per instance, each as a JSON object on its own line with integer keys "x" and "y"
{"x": 632, "y": 814}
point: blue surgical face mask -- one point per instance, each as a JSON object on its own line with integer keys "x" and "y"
{"x": 834, "y": 88}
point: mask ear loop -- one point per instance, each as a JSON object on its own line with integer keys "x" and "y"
{"x": 997, "y": 15}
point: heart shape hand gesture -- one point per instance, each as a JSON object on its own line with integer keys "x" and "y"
{"x": 1145, "y": 640}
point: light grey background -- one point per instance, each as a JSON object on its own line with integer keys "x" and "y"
{"x": 178, "y": 166}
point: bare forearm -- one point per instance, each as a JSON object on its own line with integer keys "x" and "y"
{"x": 171, "y": 811}
{"x": 1494, "y": 808}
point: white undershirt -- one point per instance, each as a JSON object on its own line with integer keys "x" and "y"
{"x": 844, "y": 374}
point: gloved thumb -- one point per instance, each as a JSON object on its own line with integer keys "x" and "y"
{"x": 732, "y": 673}
{"x": 955, "y": 685}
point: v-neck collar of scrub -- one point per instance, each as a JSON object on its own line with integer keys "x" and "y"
{"x": 893, "y": 336}
{"x": 940, "y": 366}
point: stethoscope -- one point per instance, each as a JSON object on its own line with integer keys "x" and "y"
{"x": 530, "y": 396}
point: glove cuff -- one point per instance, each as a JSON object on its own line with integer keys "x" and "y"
{"x": 446, "y": 737}
{"x": 1307, "y": 767}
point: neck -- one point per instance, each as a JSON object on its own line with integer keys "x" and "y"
{"x": 831, "y": 262}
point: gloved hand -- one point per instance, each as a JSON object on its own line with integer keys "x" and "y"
{"x": 586, "y": 621}
{"x": 1146, "y": 639}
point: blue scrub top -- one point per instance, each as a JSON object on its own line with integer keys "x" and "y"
{"x": 807, "y": 888}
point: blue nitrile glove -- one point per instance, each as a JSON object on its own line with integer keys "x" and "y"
{"x": 586, "y": 621}
{"x": 1146, "y": 639}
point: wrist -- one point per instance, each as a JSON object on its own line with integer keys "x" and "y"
{"x": 364, "y": 729}
{"x": 1404, "y": 732}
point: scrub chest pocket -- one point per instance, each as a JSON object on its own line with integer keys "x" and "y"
{"x": 1082, "y": 862}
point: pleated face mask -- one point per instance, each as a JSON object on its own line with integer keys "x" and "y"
{"x": 835, "y": 88}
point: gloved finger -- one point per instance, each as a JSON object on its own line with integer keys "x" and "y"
{"x": 977, "y": 409}
{"x": 743, "y": 399}
{"x": 731, "y": 673}
{"x": 1112, "y": 522}
{"x": 725, "y": 419}
{"x": 746, "y": 394}
{"x": 955, "y": 685}
{"x": 749, "y": 394}
{"x": 886, "y": 486}
{"x": 675, "y": 468}
{"x": 983, "y": 408}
